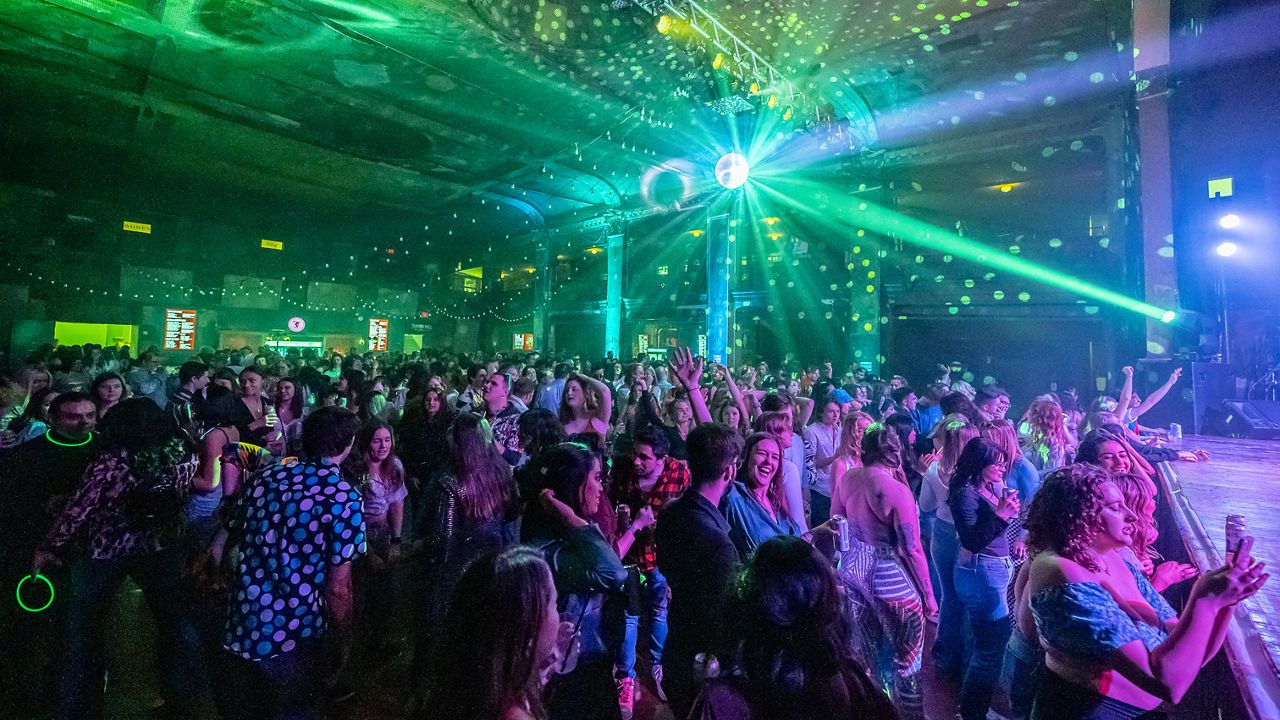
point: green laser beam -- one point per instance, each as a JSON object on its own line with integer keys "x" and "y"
{"x": 884, "y": 221}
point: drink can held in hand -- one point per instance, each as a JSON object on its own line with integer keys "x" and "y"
{"x": 1175, "y": 433}
{"x": 1236, "y": 530}
{"x": 843, "y": 540}
{"x": 624, "y": 516}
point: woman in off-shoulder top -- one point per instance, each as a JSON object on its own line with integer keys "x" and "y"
{"x": 1114, "y": 648}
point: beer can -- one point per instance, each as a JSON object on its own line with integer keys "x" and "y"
{"x": 1236, "y": 530}
{"x": 624, "y": 515}
{"x": 1175, "y": 432}
{"x": 843, "y": 540}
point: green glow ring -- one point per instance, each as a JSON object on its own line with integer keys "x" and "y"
{"x": 18, "y": 593}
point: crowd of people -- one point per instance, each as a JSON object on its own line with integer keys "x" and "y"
{"x": 776, "y": 540}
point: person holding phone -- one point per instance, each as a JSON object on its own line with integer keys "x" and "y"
{"x": 983, "y": 507}
{"x": 1114, "y": 647}
{"x": 567, "y": 491}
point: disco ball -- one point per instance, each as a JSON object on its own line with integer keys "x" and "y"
{"x": 732, "y": 171}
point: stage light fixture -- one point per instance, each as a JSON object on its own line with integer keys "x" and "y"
{"x": 1008, "y": 187}
{"x": 1230, "y": 221}
{"x": 1168, "y": 316}
{"x": 665, "y": 23}
{"x": 1227, "y": 249}
{"x": 732, "y": 171}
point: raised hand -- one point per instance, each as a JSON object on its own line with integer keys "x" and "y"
{"x": 685, "y": 368}
{"x": 558, "y": 510}
{"x": 1171, "y": 573}
{"x": 644, "y": 518}
{"x": 1127, "y": 370}
{"x": 1236, "y": 581}
{"x": 1173, "y": 376}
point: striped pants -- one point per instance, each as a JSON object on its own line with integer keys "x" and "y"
{"x": 889, "y": 622}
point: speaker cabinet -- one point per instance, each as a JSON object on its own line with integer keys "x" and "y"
{"x": 1200, "y": 391}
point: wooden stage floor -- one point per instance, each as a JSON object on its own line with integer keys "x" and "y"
{"x": 1241, "y": 477}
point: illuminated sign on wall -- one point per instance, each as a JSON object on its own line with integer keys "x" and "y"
{"x": 379, "y": 329}
{"x": 272, "y": 244}
{"x": 643, "y": 342}
{"x": 522, "y": 341}
{"x": 179, "y": 329}
{"x": 144, "y": 228}
{"x": 297, "y": 324}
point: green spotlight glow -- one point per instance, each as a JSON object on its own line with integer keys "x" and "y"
{"x": 1168, "y": 316}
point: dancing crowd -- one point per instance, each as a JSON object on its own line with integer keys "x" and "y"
{"x": 541, "y": 537}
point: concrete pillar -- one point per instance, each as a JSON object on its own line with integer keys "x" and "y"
{"x": 542, "y": 294}
{"x": 719, "y": 267}
{"x": 613, "y": 295}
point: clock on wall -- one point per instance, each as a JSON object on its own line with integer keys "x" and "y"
{"x": 297, "y": 324}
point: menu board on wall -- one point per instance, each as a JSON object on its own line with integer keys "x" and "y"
{"x": 179, "y": 329}
{"x": 378, "y": 331}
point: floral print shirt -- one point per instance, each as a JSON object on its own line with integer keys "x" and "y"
{"x": 95, "y": 516}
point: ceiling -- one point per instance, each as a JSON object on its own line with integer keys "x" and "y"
{"x": 509, "y": 114}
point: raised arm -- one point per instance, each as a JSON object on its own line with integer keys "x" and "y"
{"x": 734, "y": 392}
{"x": 1158, "y": 394}
{"x": 804, "y": 409}
{"x": 1126, "y": 393}
{"x": 605, "y": 411}
{"x": 1169, "y": 670}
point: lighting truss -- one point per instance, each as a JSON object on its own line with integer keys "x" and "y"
{"x": 748, "y": 65}
{"x": 751, "y": 68}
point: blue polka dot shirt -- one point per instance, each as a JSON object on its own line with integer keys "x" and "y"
{"x": 297, "y": 520}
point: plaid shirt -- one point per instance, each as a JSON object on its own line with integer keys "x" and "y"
{"x": 673, "y": 481}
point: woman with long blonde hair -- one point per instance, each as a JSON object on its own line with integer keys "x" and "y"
{"x": 1047, "y": 444}
{"x": 849, "y": 453}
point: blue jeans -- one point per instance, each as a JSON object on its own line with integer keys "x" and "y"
{"x": 980, "y": 583}
{"x": 1023, "y": 671}
{"x": 948, "y": 647}
{"x": 927, "y": 520}
{"x": 93, "y": 587}
{"x": 653, "y": 596}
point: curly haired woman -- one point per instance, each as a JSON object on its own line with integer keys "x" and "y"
{"x": 1114, "y": 647}
{"x": 1047, "y": 444}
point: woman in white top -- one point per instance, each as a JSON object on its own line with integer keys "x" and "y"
{"x": 375, "y": 469}
{"x": 824, "y": 437}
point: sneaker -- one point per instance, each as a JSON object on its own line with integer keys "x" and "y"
{"x": 627, "y": 697}
{"x": 656, "y": 674}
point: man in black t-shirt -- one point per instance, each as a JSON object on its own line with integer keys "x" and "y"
{"x": 698, "y": 559}
{"x": 35, "y": 479}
